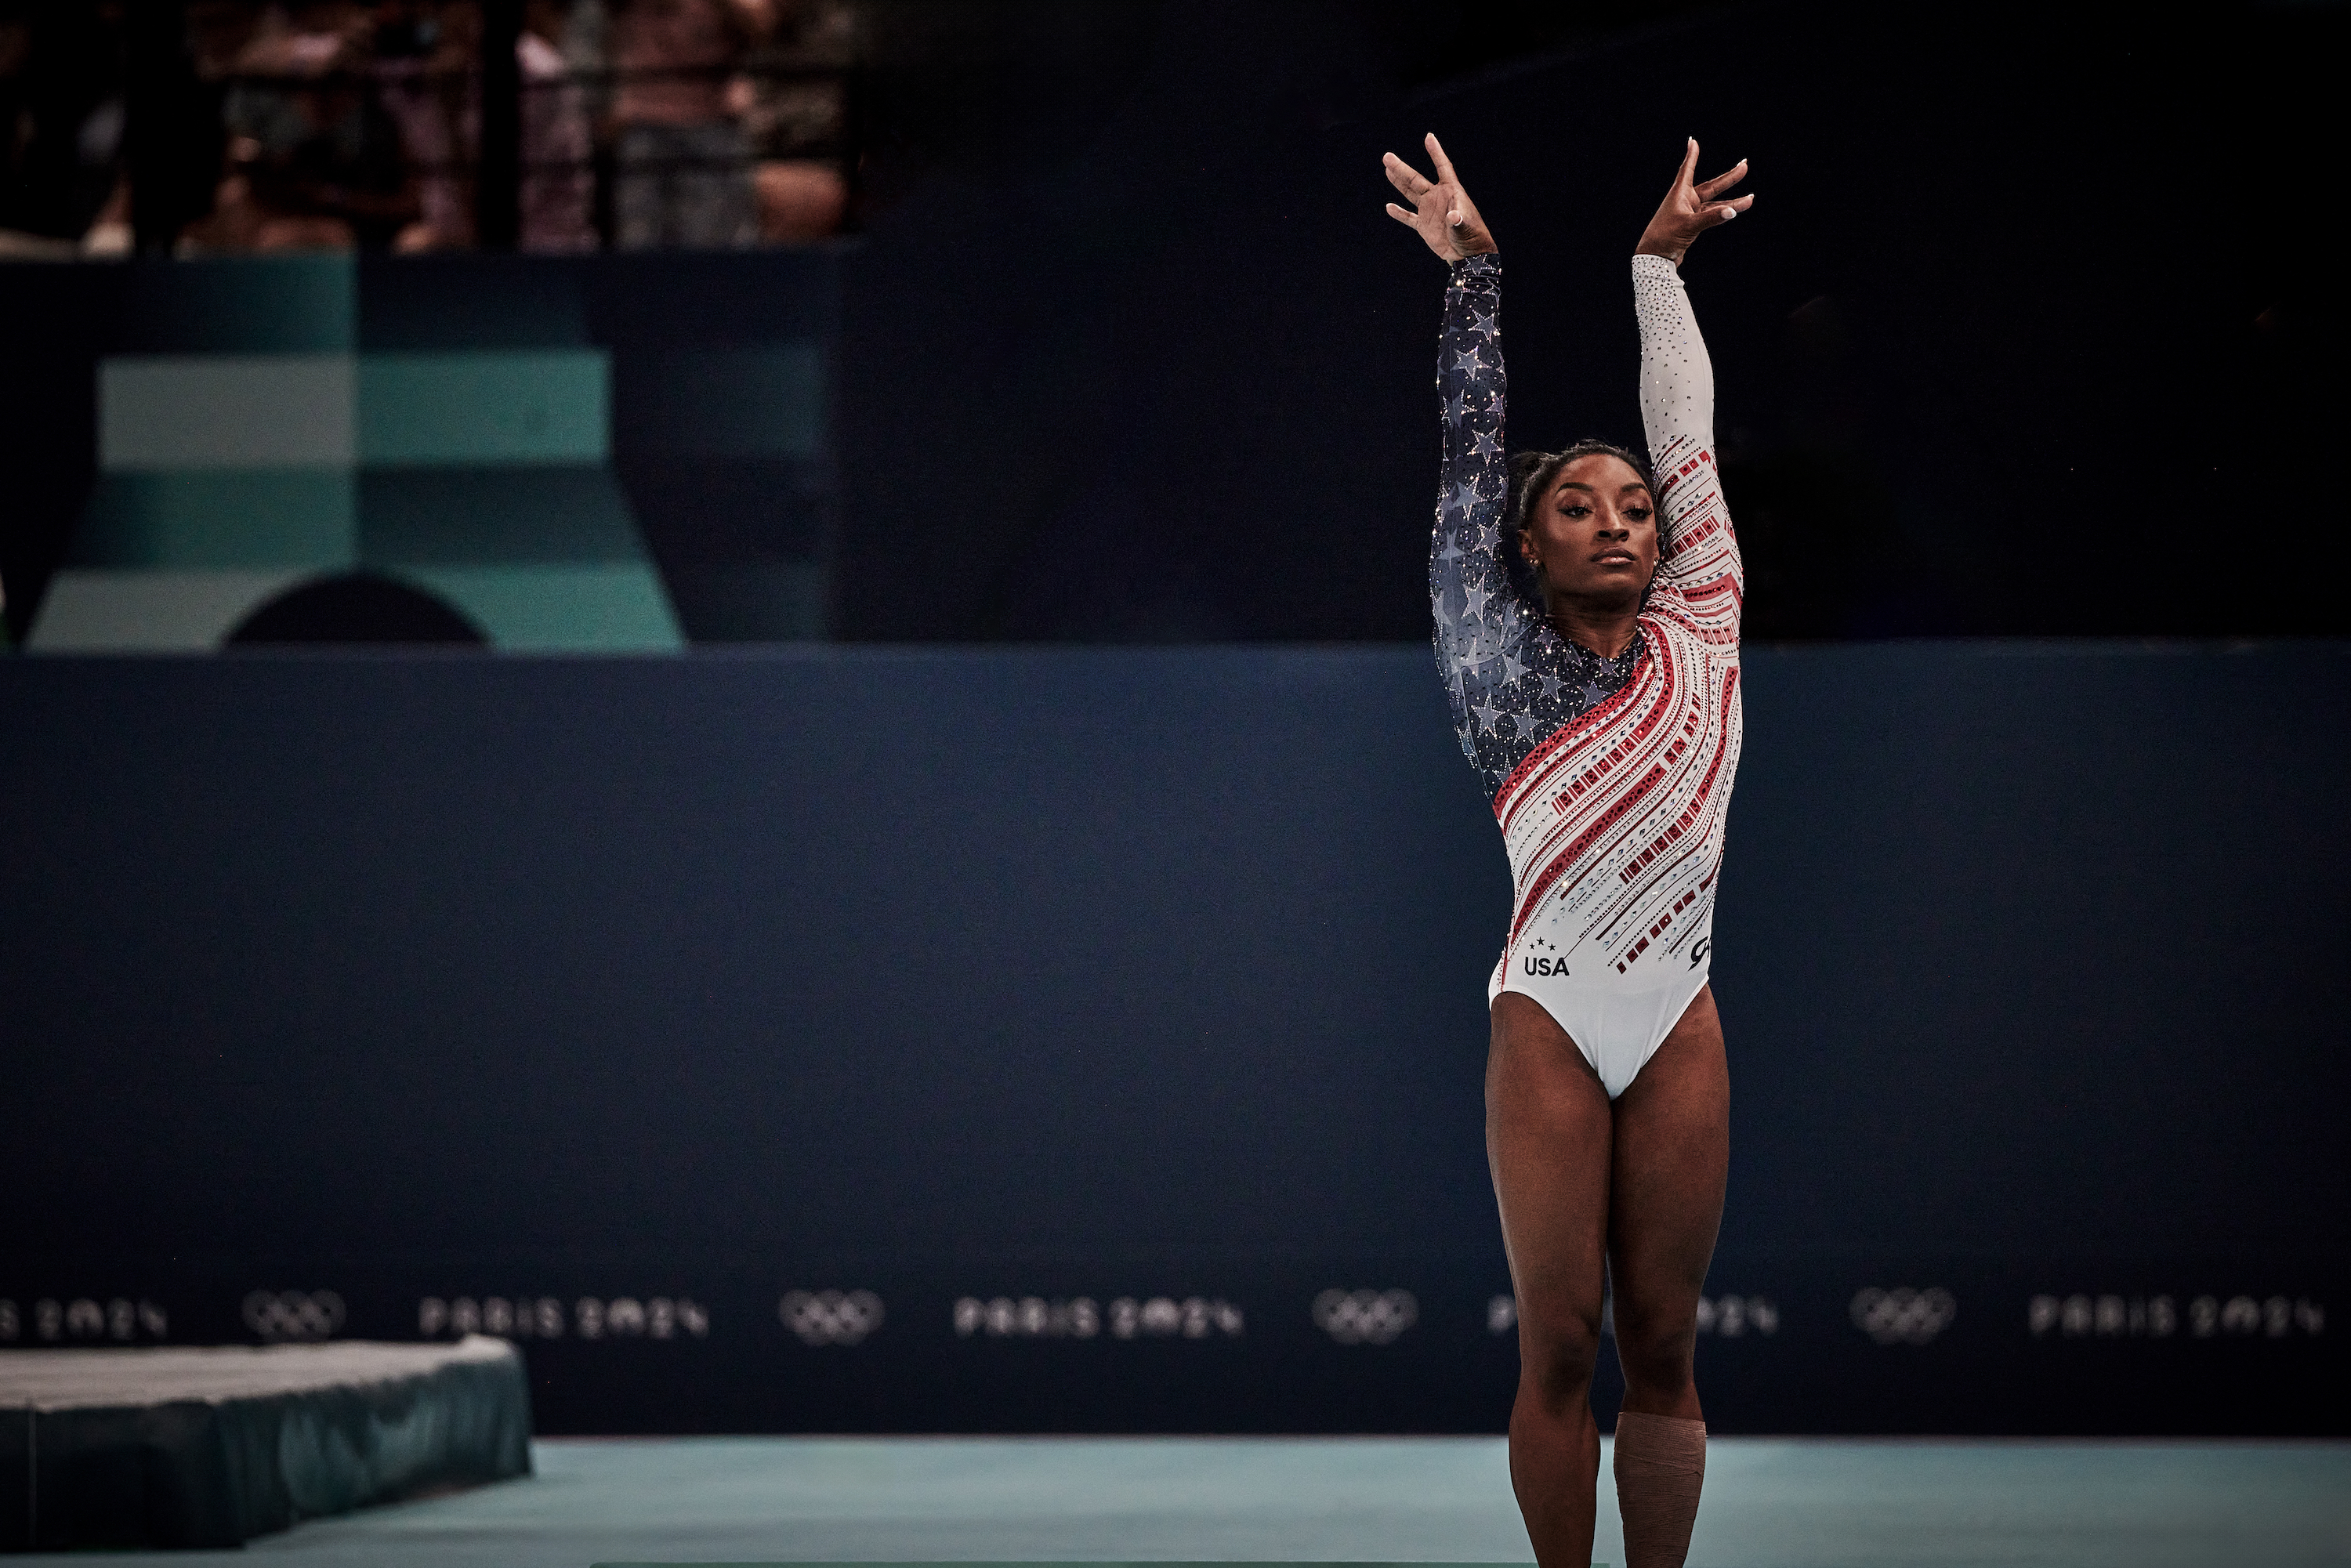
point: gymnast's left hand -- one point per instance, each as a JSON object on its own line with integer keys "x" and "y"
{"x": 1690, "y": 210}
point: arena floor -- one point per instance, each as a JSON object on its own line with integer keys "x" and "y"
{"x": 1771, "y": 1503}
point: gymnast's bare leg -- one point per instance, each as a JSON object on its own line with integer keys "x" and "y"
{"x": 1639, "y": 1183}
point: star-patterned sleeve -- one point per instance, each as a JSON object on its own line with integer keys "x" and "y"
{"x": 1482, "y": 627}
{"x": 1700, "y": 582}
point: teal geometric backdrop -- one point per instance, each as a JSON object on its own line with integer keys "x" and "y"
{"x": 265, "y": 426}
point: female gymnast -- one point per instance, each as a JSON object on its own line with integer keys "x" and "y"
{"x": 1587, "y": 630}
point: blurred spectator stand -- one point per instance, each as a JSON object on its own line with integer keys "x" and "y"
{"x": 62, "y": 102}
{"x": 233, "y": 127}
{"x": 684, "y": 161}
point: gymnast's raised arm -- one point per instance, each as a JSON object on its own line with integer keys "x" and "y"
{"x": 1479, "y": 618}
{"x": 1699, "y": 577}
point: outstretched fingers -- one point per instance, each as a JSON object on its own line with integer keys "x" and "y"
{"x": 1405, "y": 177}
{"x": 1439, "y": 209}
{"x": 1691, "y": 208}
{"x": 1723, "y": 211}
{"x": 1444, "y": 165}
{"x": 1708, "y": 190}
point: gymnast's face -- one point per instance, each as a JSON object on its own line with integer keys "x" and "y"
{"x": 1593, "y": 537}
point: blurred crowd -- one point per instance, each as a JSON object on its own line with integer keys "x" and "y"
{"x": 340, "y": 124}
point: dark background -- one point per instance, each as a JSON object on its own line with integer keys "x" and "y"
{"x": 2035, "y": 311}
{"x": 1099, "y": 973}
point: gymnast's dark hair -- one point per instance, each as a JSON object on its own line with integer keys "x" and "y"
{"x": 1532, "y": 474}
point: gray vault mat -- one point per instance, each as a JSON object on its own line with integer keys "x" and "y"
{"x": 213, "y": 1446}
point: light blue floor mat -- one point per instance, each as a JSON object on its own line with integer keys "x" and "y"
{"x": 1770, "y": 1503}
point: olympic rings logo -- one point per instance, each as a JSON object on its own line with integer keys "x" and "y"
{"x": 1902, "y": 1315}
{"x": 830, "y": 1317}
{"x": 1733, "y": 1316}
{"x": 281, "y": 1315}
{"x": 1365, "y": 1317}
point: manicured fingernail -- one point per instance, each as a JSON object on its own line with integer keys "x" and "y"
{"x": 1729, "y": 214}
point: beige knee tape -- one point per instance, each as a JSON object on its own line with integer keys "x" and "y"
{"x": 1660, "y": 1467}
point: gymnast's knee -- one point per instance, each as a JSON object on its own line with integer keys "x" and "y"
{"x": 1557, "y": 1354}
{"x": 1655, "y": 1349}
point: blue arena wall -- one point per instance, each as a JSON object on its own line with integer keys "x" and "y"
{"x": 1081, "y": 1040}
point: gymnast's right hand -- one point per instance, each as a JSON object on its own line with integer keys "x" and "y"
{"x": 1442, "y": 213}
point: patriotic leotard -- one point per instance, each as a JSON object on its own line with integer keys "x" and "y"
{"x": 1611, "y": 776}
